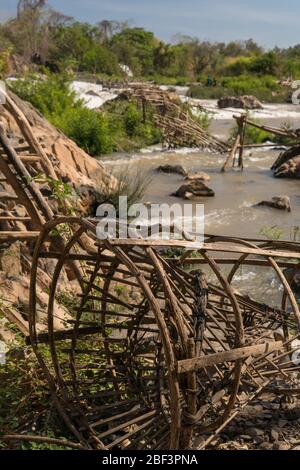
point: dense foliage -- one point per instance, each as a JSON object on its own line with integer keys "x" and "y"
{"x": 46, "y": 37}
{"x": 118, "y": 127}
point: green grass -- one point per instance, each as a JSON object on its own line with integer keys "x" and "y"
{"x": 265, "y": 88}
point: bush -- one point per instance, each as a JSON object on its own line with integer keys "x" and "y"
{"x": 132, "y": 119}
{"x": 57, "y": 102}
{"x": 253, "y": 135}
{"x": 89, "y": 129}
{"x": 51, "y": 95}
{"x": 264, "y": 88}
{"x": 120, "y": 126}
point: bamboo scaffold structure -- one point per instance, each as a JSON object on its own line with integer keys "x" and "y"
{"x": 26, "y": 174}
{"x": 157, "y": 352}
{"x": 178, "y": 127}
{"x": 239, "y": 145}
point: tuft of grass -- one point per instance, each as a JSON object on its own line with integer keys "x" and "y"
{"x": 131, "y": 185}
{"x": 271, "y": 233}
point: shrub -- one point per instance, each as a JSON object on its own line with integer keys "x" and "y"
{"x": 132, "y": 119}
{"x": 120, "y": 126}
{"x": 58, "y": 103}
{"x": 265, "y": 88}
{"x": 51, "y": 95}
{"x": 253, "y": 135}
{"x": 89, "y": 129}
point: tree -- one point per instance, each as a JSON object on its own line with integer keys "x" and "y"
{"x": 135, "y": 47}
{"x": 29, "y": 32}
{"x": 266, "y": 64}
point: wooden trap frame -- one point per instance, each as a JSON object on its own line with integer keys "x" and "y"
{"x": 155, "y": 354}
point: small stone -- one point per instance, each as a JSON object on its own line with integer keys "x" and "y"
{"x": 278, "y": 202}
{"x": 284, "y": 446}
{"x": 198, "y": 176}
{"x": 266, "y": 446}
{"x": 296, "y": 448}
{"x": 255, "y": 432}
{"x": 194, "y": 188}
{"x": 274, "y": 435}
{"x": 175, "y": 169}
{"x": 282, "y": 423}
{"x": 246, "y": 437}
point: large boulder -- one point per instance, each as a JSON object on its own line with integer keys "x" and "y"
{"x": 194, "y": 189}
{"x": 175, "y": 169}
{"x": 287, "y": 164}
{"x": 278, "y": 202}
{"x": 242, "y": 102}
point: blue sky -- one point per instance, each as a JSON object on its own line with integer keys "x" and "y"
{"x": 269, "y": 22}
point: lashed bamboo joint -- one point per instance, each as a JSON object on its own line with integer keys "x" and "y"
{"x": 157, "y": 352}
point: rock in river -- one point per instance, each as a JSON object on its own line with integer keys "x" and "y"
{"x": 242, "y": 102}
{"x": 278, "y": 202}
{"x": 198, "y": 176}
{"x": 287, "y": 164}
{"x": 176, "y": 169}
{"x": 195, "y": 188}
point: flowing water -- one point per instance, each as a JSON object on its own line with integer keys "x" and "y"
{"x": 231, "y": 211}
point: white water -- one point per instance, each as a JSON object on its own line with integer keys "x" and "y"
{"x": 93, "y": 94}
{"x": 269, "y": 111}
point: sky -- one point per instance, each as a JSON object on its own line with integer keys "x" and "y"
{"x": 269, "y": 22}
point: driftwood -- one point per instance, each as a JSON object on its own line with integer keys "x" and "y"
{"x": 156, "y": 354}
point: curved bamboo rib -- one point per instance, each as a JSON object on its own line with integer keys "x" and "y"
{"x": 154, "y": 353}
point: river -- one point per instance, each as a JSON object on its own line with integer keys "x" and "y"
{"x": 232, "y": 211}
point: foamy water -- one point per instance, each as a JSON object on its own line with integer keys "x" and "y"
{"x": 269, "y": 111}
{"x": 93, "y": 95}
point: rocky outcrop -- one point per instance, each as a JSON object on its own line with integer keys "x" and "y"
{"x": 194, "y": 189}
{"x": 15, "y": 286}
{"x": 198, "y": 176}
{"x": 287, "y": 164}
{"x": 72, "y": 164}
{"x": 175, "y": 169}
{"x": 278, "y": 202}
{"x": 242, "y": 102}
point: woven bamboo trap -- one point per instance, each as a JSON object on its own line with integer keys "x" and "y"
{"x": 156, "y": 353}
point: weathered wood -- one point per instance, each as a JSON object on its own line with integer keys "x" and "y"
{"x": 153, "y": 347}
{"x": 24, "y": 158}
{"x": 4, "y": 196}
{"x": 176, "y": 124}
{"x": 24, "y": 236}
{"x": 232, "y": 153}
{"x": 28, "y": 133}
{"x": 197, "y": 363}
